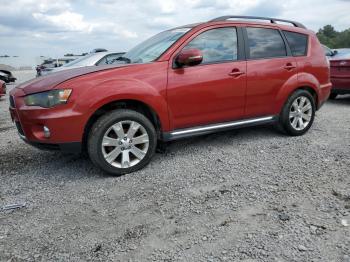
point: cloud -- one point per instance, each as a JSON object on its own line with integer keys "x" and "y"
{"x": 67, "y": 21}
{"x": 52, "y": 28}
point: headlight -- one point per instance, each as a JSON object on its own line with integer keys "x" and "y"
{"x": 48, "y": 99}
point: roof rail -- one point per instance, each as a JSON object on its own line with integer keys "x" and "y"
{"x": 272, "y": 20}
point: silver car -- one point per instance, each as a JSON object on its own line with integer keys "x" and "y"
{"x": 93, "y": 59}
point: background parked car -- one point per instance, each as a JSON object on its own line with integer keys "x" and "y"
{"x": 2, "y": 88}
{"x": 53, "y": 63}
{"x": 7, "y": 76}
{"x": 329, "y": 52}
{"x": 340, "y": 72}
{"x": 92, "y": 59}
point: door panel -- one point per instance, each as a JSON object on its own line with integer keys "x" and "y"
{"x": 265, "y": 78}
{"x": 270, "y": 65}
{"x": 206, "y": 94}
{"x": 213, "y": 91}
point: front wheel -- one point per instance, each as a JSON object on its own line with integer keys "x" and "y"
{"x": 122, "y": 141}
{"x": 298, "y": 113}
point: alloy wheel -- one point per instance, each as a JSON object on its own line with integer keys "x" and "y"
{"x": 300, "y": 113}
{"x": 125, "y": 144}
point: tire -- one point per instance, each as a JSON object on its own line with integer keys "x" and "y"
{"x": 292, "y": 112}
{"x": 112, "y": 142}
{"x": 333, "y": 96}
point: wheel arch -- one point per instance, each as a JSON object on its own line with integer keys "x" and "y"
{"x": 312, "y": 91}
{"x": 301, "y": 81}
{"x": 131, "y": 104}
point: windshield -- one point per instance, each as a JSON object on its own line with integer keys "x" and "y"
{"x": 154, "y": 47}
{"x": 83, "y": 61}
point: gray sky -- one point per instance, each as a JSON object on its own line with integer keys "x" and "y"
{"x": 30, "y": 28}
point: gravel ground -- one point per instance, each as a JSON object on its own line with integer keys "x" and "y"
{"x": 244, "y": 195}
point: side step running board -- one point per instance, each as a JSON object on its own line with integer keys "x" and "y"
{"x": 202, "y": 130}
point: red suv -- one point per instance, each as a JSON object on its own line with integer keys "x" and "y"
{"x": 187, "y": 81}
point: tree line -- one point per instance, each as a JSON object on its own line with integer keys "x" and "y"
{"x": 334, "y": 39}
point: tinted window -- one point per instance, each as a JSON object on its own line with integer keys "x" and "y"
{"x": 217, "y": 45}
{"x": 297, "y": 43}
{"x": 265, "y": 43}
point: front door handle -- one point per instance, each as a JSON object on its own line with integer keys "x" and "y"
{"x": 289, "y": 67}
{"x": 236, "y": 73}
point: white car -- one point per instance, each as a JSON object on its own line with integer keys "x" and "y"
{"x": 93, "y": 59}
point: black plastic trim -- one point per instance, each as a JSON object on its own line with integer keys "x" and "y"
{"x": 241, "y": 55}
{"x": 73, "y": 147}
{"x": 286, "y": 44}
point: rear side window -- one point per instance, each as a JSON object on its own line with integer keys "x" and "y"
{"x": 297, "y": 43}
{"x": 217, "y": 45}
{"x": 265, "y": 43}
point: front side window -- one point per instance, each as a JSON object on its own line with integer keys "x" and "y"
{"x": 217, "y": 45}
{"x": 297, "y": 43}
{"x": 265, "y": 43}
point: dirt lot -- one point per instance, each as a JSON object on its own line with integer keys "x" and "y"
{"x": 245, "y": 195}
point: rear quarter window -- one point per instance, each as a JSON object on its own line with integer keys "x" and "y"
{"x": 297, "y": 42}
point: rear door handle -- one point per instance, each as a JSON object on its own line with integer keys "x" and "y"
{"x": 236, "y": 73}
{"x": 289, "y": 66}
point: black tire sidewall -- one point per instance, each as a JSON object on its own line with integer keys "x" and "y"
{"x": 284, "y": 117}
{"x": 100, "y": 128}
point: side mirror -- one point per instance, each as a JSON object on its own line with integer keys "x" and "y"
{"x": 334, "y": 52}
{"x": 189, "y": 57}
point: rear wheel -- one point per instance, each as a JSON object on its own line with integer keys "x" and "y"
{"x": 122, "y": 141}
{"x": 333, "y": 96}
{"x": 298, "y": 113}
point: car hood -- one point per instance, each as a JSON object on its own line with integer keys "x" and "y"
{"x": 48, "y": 82}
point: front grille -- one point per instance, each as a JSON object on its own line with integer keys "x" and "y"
{"x": 12, "y": 102}
{"x": 19, "y": 128}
